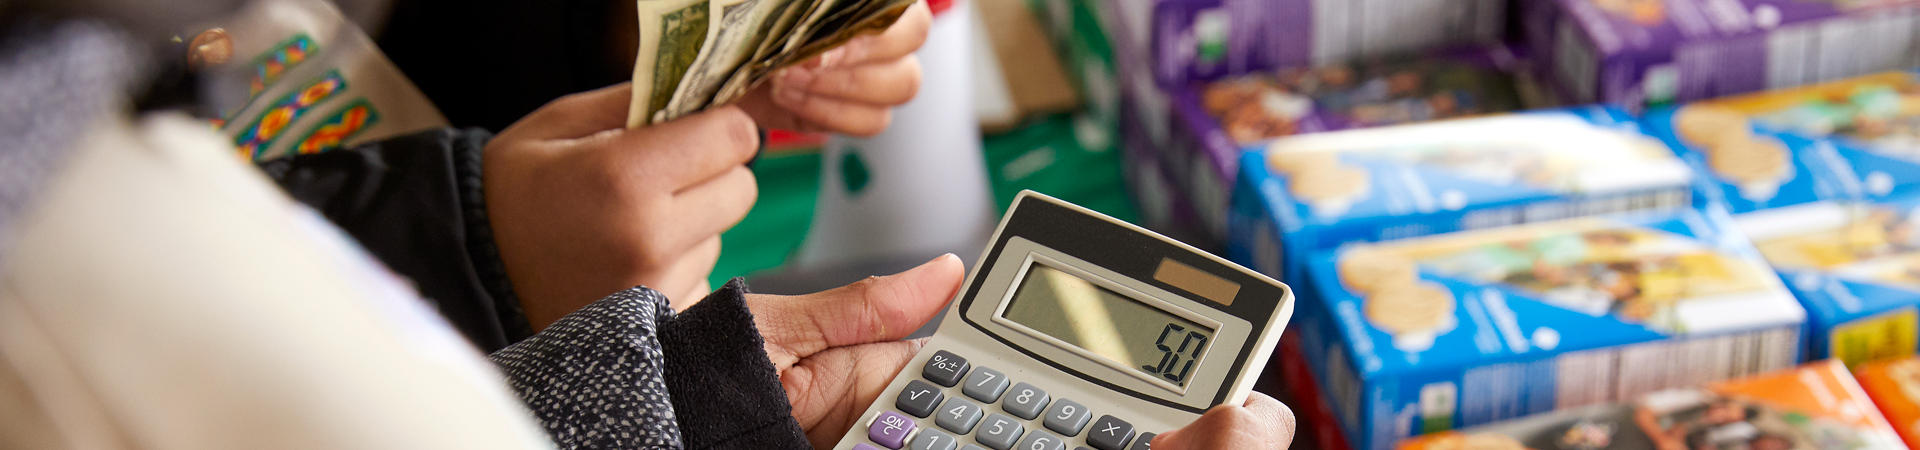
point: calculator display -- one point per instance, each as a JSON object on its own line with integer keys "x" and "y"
{"x": 1106, "y": 323}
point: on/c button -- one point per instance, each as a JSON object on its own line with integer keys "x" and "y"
{"x": 890, "y": 429}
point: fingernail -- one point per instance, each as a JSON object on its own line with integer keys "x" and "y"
{"x": 796, "y": 78}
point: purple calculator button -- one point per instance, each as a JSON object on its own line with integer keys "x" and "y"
{"x": 890, "y": 429}
{"x": 864, "y": 447}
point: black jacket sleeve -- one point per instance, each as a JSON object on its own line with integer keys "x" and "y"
{"x": 415, "y": 202}
{"x": 595, "y": 378}
{"x": 725, "y": 391}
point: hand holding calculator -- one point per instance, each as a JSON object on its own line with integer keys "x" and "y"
{"x": 1079, "y": 331}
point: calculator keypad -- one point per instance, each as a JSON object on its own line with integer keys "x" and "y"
{"x": 1031, "y": 419}
{"x": 1041, "y": 440}
{"x": 985, "y": 385}
{"x": 919, "y": 398}
{"x": 1110, "y": 433}
{"x": 958, "y": 415}
{"x": 931, "y": 439}
{"x": 944, "y": 368}
{"x": 1066, "y": 417}
{"x": 1144, "y": 442}
{"x": 890, "y": 429}
{"x": 1025, "y": 401}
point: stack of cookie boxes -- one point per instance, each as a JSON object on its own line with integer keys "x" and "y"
{"x": 1147, "y": 52}
{"x": 1825, "y": 180}
{"x": 1818, "y": 406}
{"x": 1657, "y": 52}
{"x": 1212, "y": 122}
{"x": 1462, "y": 272}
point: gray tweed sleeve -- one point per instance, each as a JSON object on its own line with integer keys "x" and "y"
{"x": 595, "y": 378}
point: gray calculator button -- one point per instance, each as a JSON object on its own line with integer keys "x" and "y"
{"x": 1145, "y": 442}
{"x": 958, "y": 415}
{"x": 944, "y": 368}
{"x": 1041, "y": 440}
{"x": 1109, "y": 433}
{"x": 985, "y": 384}
{"x": 1067, "y": 417}
{"x": 918, "y": 399}
{"x": 931, "y": 439}
{"x": 1025, "y": 401}
{"x": 999, "y": 431}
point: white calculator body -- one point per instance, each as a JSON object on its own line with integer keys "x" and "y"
{"x": 1079, "y": 331}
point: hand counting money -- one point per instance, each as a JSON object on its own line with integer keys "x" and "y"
{"x": 695, "y": 54}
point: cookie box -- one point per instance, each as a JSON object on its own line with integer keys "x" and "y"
{"x": 1850, "y": 139}
{"x": 1894, "y": 386}
{"x": 1198, "y": 40}
{"x": 1212, "y": 122}
{"x": 1818, "y": 406}
{"x": 1659, "y": 52}
{"x": 1855, "y": 265}
{"x": 1307, "y": 193}
{"x": 1430, "y": 334}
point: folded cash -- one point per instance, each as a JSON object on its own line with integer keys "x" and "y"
{"x": 700, "y": 53}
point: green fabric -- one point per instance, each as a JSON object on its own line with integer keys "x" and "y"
{"x": 789, "y": 184}
{"x": 1046, "y": 156}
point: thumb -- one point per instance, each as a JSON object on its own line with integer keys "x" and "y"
{"x": 1263, "y": 423}
{"x": 876, "y": 309}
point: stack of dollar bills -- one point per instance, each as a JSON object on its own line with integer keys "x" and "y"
{"x": 700, "y": 53}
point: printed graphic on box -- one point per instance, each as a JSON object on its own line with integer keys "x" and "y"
{"x": 1375, "y": 92}
{"x": 1856, "y": 268}
{"x": 1466, "y": 328}
{"x": 1201, "y": 40}
{"x": 1894, "y": 386}
{"x": 1323, "y": 190}
{"x": 1818, "y": 406}
{"x": 1852, "y": 140}
{"x": 1659, "y": 52}
{"x": 1213, "y": 123}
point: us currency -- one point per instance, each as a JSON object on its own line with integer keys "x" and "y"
{"x": 733, "y": 37}
{"x": 695, "y": 54}
{"x": 672, "y": 33}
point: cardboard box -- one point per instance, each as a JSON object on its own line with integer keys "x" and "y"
{"x": 1659, "y": 52}
{"x": 1823, "y": 179}
{"x": 1199, "y": 40}
{"x": 1314, "y": 192}
{"x": 1813, "y": 407}
{"x": 1894, "y": 386}
{"x": 1851, "y": 139}
{"x": 1856, "y": 268}
{"x": 1213, "y": 122}
{"x": 1430, "y": 334}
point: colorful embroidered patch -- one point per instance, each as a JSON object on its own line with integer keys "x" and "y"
{"x": 335, "y": 130}
{"x": 268, "y": 67}
{"x": 266, "y": 129}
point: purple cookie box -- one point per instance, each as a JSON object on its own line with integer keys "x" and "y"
{"x": 1198, "y": 40}
{"x": 1670, "y": 51}
{"x": 1203, "y": 161}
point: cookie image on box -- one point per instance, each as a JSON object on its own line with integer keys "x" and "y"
{"x": 1414, "y": 313}
{"x": 1477, "y": 441}
{"x": 1294, "y": 162}
{"x": 1364, "y": 270}
{"x": 1705, "y": 125}
{"x": 1331, "y": 191}
{"x": 1758, "y": 165}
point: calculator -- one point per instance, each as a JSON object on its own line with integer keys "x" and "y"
{"x": 1079, "y": 331}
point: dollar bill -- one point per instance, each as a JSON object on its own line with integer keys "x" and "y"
{"x": 695, "y": 54}
{"x": 733, "y": 37}
{"x": 672, "y": 32}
